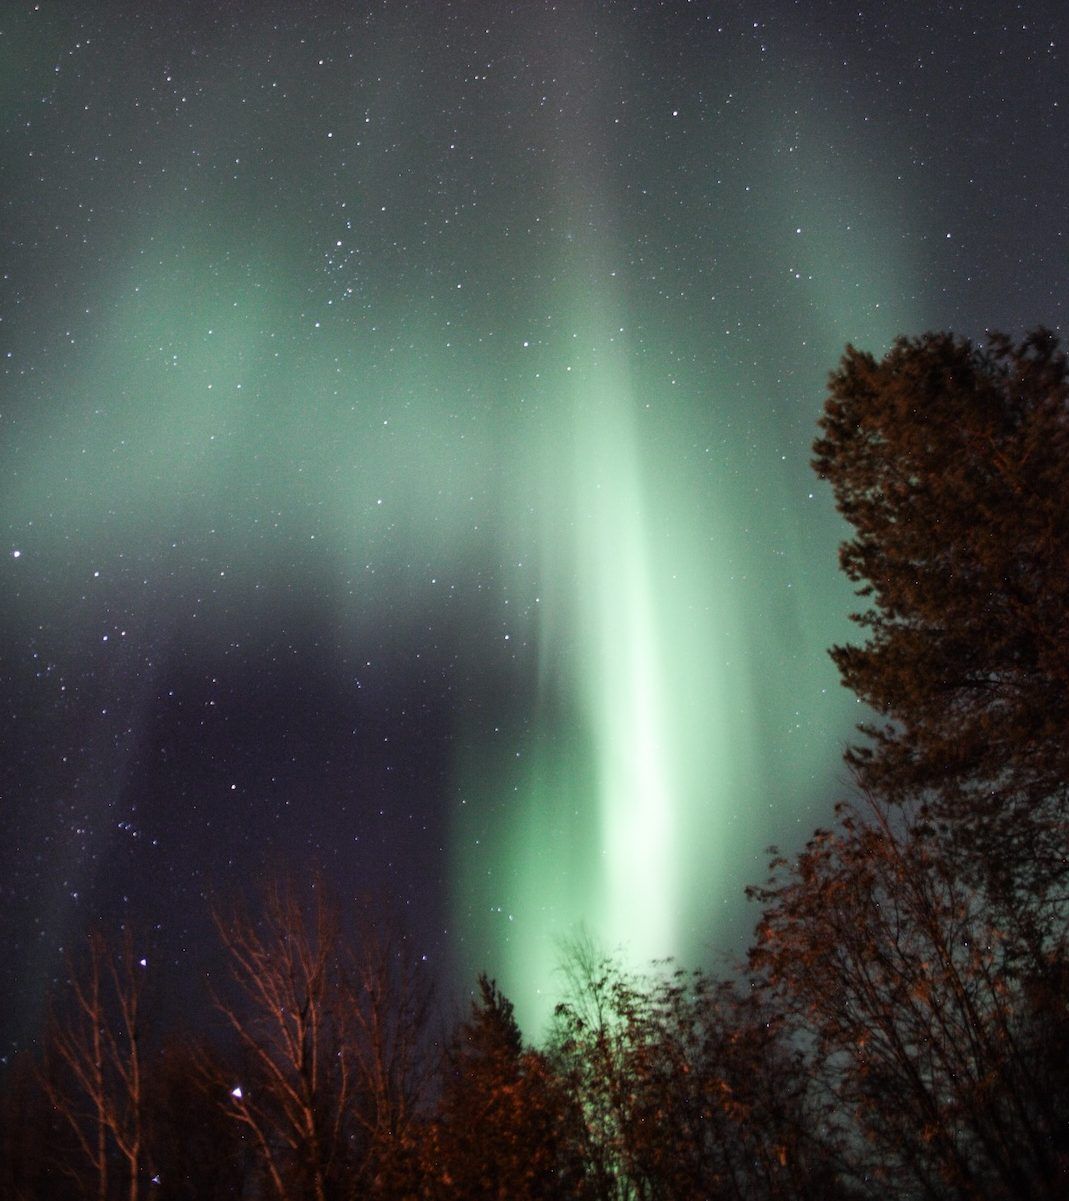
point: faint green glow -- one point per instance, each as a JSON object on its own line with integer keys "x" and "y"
{"x": 588, "y": 482}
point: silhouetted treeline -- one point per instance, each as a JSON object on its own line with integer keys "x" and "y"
{"x": 890, "y": 1037}
{"x": 899, "y": 1029}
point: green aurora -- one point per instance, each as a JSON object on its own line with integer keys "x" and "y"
{"x": 540, "y": 417}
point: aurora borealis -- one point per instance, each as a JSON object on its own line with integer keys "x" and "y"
{"x": 405, "y": 440}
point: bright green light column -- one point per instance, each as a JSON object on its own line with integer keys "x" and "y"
{"x": 619, "y": 683}
{"x": 640, "y": 725}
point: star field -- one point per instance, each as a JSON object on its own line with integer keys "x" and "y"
{"x": 405, "y": 433}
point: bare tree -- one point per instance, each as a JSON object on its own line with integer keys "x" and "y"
{"x": 928, "y": 1021}
{"x": 687, "y": 1086}
{"x": 295, "y": 1094}
{"x": 93, "y": 1073}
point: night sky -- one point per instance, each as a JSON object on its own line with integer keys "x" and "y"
{"x": 404, "y": 443}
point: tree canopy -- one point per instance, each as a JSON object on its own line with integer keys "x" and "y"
{"x": 951, "y": 462}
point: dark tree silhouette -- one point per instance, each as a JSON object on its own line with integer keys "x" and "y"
{"x": 503, "y": 1131}
{"x": 951, "y": 462}
{"x": 930, "y": 1026}
{"x": 198, "y": 1153}
{"x": 32, "y": 1143}
{"x": 389, "y": 1006}
{"x": 689, "y": 1087}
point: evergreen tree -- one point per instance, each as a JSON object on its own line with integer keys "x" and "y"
{"x": 951, "y": 462}
{"x": 502, "y": 1133}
